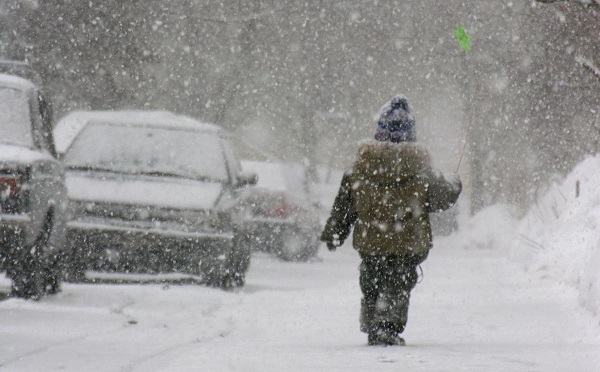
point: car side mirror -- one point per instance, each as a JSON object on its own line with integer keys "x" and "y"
{"x": 247, "y": 179}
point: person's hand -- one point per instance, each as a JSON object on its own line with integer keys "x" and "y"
{"x": 331, "y": 247}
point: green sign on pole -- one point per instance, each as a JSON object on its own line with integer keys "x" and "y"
{"x": 463, "y": 39}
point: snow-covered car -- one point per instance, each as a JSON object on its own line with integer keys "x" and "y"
{"x": 33, "y": 194}
{"x": 152, "y": 192}
{"x": 279, "y": 217}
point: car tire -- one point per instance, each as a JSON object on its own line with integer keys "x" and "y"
{"x": 240, "y": 263}
{"x": 28, "y": 284}
{"x": 223, "y": 281}
{"x": 53, "y": 274}
{"x": 74, "y": 267}
{"x": 37, "y": 275}
{"x": 216, "y": 275}
{"x": 29, "y": 280}
{"x": 293, "y": 247}
{"x": 236, "y": 271}
{"x": 52, "y": 283}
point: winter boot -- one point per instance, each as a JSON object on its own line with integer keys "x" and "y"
{"x": 392, "y": 339}
{"x": 385, "y": 339}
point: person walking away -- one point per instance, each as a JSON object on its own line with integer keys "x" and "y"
{"x": 387, "y": 196}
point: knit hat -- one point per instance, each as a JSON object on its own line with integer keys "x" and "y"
{"x": 395, "y": 121}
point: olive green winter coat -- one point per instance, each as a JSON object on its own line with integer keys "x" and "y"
{"x": 387, "y": 196}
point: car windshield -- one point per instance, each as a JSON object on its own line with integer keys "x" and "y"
{"x": 14, "y": 117}
{"x": 148, "y": 150}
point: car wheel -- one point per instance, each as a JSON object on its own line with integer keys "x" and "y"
{"x": 53, "y": 276}
{"x": 28, "y": 284}
{"x": 293, "y": 247}
{"x": 29, "y": 279}
{"x": 52, "y": 283}
{"x": 222, "y": 281}
{"x": 74, "y": 267}
{"x": 217, "y": 275}
{"x": 240, "y": 262}
{"x": 235, "y": 276}
{"x": 34, "y": 275}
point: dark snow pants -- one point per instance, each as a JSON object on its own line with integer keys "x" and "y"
{"x": 386, "y": 282}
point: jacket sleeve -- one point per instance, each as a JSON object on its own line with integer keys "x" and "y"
{"x": 343, "y": 215}
{"x": 443, "y": 190}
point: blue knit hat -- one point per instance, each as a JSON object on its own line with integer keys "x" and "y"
{"x": 395, "y": 122}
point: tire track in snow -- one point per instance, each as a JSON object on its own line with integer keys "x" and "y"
{"x": 55, "y": 345}
{"x": 141, "y": 362}
{"x": 138, "y": 321}
{"x": 229, "y": 320}
{"x": 120, "y": 311}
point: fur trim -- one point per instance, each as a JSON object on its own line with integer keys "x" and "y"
{"x": 389, "y": 162}
{"x": 404, "y": 148}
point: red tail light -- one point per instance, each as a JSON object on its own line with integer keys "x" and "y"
{"x": 13, "y": 193}
{"x": 273, "y": 206}
{"x": 9, "y": 186}
{"x": 278, "y": 210}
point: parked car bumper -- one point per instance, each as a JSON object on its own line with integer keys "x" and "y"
{"x": 266, "y": 234}
{"x": 12, "y": 230}
{"x": 143, "y": 247}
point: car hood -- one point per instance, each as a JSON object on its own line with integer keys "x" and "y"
{"x": 141, "y": 190}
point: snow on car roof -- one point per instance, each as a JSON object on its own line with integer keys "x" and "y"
{"x": 278, "y": 176}
{"x": 15, "y": 82}
{"x": 270, "y": 175}
{"x": 69, "y": 126}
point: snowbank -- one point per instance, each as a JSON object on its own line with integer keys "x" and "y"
{"x": 488, "y": 229}
{"x": 559, "y": 237}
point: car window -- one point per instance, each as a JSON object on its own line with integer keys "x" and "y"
{"x": 148, "y": 150}
{"x": 15, "y": 119}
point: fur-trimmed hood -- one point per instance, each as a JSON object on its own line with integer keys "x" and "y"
{"x": 387, "y": 162}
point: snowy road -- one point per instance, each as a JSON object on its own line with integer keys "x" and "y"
{"x": 474, "y": 311}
